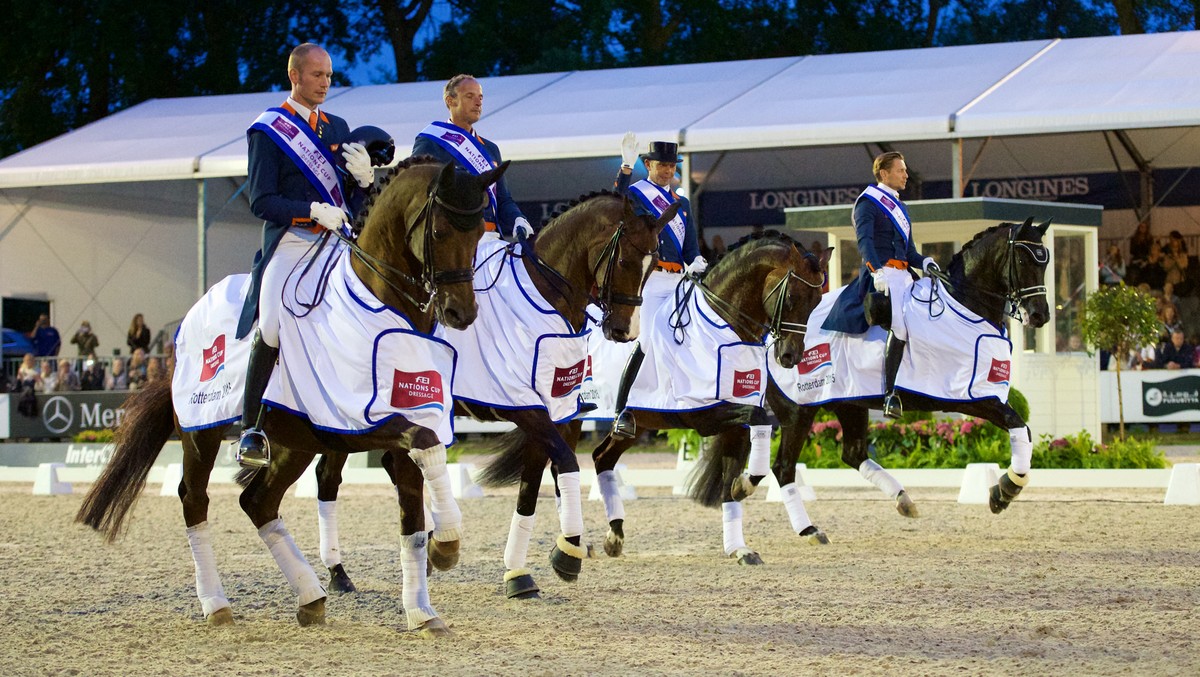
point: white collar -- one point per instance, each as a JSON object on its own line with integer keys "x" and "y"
{"x": 470, "y": 131}
{"x": 888, "y": 190}
{"x": 301, "y": 110}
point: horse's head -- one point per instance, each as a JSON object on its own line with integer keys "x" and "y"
{"x": 624, "y": 265}
{"x": 1028, "y": 258}
{"x": 423, "y": 227}
{"x": 790, "y": 293}
{"x": 1003, "y": 268}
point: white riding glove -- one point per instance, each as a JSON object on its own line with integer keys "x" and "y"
{"x": 522, "y": 229}
{"x": 358, "y": 163}
{"x": 929, "y": 265}
{"x": 629, "y": 152}
{"x": 697, "y": 266}
{"x": 327, "y": 215}
{"x": 880, "y": 281}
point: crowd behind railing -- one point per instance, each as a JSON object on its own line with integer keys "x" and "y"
{"x": 1164, "y": 269}
{"x": 44, "y": 370}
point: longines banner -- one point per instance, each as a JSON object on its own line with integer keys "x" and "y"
{"x": 1152, "y": 396}
{"x": 62, "y": 415}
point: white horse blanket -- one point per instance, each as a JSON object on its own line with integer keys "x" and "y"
{"x": 952, "y": 354}
{"x": 708, "y": 365}
{"x": 210, "y": 364}
{"x": 349, "y": 364}
{"x": 519, "y": 353}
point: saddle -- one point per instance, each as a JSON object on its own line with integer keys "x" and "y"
{"x": 877, "y": 309}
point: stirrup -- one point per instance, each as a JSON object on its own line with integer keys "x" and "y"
{"x": 254, "y": 449}
{"x": 624, "y": 425}
{"x": 892, "y": 407}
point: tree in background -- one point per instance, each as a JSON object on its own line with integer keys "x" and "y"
{"x": 1117, "y": 320}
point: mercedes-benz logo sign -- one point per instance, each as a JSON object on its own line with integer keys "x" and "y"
{"x": 58, "y": 414}
{"x": 1153, "y": 397}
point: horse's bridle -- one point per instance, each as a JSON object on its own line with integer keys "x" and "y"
{"x": 1014, "y": 294}
{"x": 776, "y": 326}
{"x": 430, "y": 277}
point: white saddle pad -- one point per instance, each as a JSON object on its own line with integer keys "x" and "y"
{"x": 952, "y": 354}
{"x": 519, "y": 353}
{"x": 210, "y": 364}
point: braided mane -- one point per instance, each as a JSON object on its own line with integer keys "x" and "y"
{"x": 360, "y": 219}
{"x": 576, "y": 202}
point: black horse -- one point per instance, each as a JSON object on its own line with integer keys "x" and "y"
{"x": 1000, "y": 272}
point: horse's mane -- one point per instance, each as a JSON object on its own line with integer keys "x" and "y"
{"x": 576, "y": 202}
{"x": 360, "y": 220}
{"x": 958, "y": 255}
{"x": 767, "y": 237}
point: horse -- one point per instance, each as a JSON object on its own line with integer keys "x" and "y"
{"x": 418, "y": 232}
{"x": 762, "y": 288}
{"x": 1000, "y": 271}
{"x": 597, "y": 250}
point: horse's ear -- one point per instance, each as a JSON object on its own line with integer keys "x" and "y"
{"x": 1045, "y": 225}
{"x": 446, "y": 176}
{"x": 493, "y": 175}
{"x": 824, "y": 257}
{"x": 667, "y": 215}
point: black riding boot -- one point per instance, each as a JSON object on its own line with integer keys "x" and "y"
{"x": 623, "y": 424}
{"x": 893, "y": 354}
{"x": 254, "y": 451}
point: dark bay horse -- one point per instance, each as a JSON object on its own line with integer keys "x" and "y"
{"x": 418, "y": 236}
{"x": 598, "y": 251}
{"x": 763, "y": 288}
{"x": 1000, "y": 272}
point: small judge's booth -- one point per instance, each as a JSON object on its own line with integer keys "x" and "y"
{"x": 1050, "y": 365}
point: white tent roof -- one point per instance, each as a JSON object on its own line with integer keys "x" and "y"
{"x": 1149, "y": 82}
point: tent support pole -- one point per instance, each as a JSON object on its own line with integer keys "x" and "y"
{"x": 201, "y": 237}
{"x": 956, "y": 168}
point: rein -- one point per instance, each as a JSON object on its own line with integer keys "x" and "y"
{"x": 1015, "y": 294}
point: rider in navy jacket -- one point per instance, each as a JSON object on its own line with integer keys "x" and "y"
{"x": 885, "y": 243}
{"x": 463, "y": 96}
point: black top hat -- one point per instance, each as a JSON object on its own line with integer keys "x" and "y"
{"x": 663, "y": 151}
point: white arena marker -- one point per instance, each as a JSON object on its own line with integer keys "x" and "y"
{"x": 462, "y": 483}
{"x": 306, "y": 486}
{"x": 172, "y": 476}
{"x": 625, "y": 489}
{"x": 775, "y": 494}
{"x": 46, "y": 483}
{"x": 977, "y": 481}
{"x": 1184, "y": 487}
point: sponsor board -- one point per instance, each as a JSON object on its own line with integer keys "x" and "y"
{"x": 62, "y": 415}
{"x": 1172, "y": 396}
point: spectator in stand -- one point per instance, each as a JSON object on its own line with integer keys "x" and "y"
{"x": 1169, "y": 316}
{"x": 154, "y": 369}
{"x": 93, "y": 374}
{"x": 27, "y": 374}
{"x": 1175, "y": 258}
{"x": 137, "y": 369}
{"x": 1139, "y": 251}
{"x": 64, "y": 380}
{"x": 1112, "y": 271}
{"x": 46, "y": 340}
{"x": 138, "y": 336}
{"x": 1177, "y": 353}
{"x": 1153, "y": 273}
{"x": 1168, "y": 295}
{"x": 45, "y": 373}
{"x": 85, "y": 339}
{"x": 118, "y": 379}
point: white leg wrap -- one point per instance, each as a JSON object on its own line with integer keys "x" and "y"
{"x": 291, "y": 561}
{"x": 208, "y": 579}
{"x": 415, "y": 594}
{"x": 731, "y": 521}
{"x": 875, "y": 474}
{"x": 517, "y": 547}
{"x": 331, "y": 554}
{"x": 570, "y": 515}
{"x": 796, "y": 511}
{"x": 1022, "y": 449}
{"x": 447, "y": 518}
{"x": 760, "y": 450}
{"x": 610, "y": 493}
{"x": 430, "y": 525}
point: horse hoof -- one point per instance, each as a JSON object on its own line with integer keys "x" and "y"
{"x": 222, "y": 616}
{"x": 742, "y": 488}
{"x": 566, "y": 566}
{"x": 814, "y": 535}
{"x": 747, "y": 557}
{"x": 614, "y": 542}
{"x": 905, "y": 505}
{"x": 312, "y": 613}
{"x": 521, "y": 587}
{"x": 433, "y": 629}
{"x": 339, "y": 581}
{"x": 443, "y": 555}
{"x": 996, "y": 502}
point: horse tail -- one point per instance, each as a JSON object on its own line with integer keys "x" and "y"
{"x": 148, "y": 422}
{"x": 244, "y": 476}
{"x": 506, "y": 468}
{"x": 709, "y": 482}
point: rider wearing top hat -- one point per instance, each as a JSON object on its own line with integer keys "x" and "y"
{"x": 296, "y": 188}
{"x": 884, "y": 233}
{"x": 678, "y": 247}
{"x": 457, "y": 141}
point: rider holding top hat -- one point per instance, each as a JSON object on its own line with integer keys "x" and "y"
{"x": 678, "y": 247}
{"x": 296, "y": 187}
{"x": 884, "y": 233}
{"x": 457, "y": 141}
